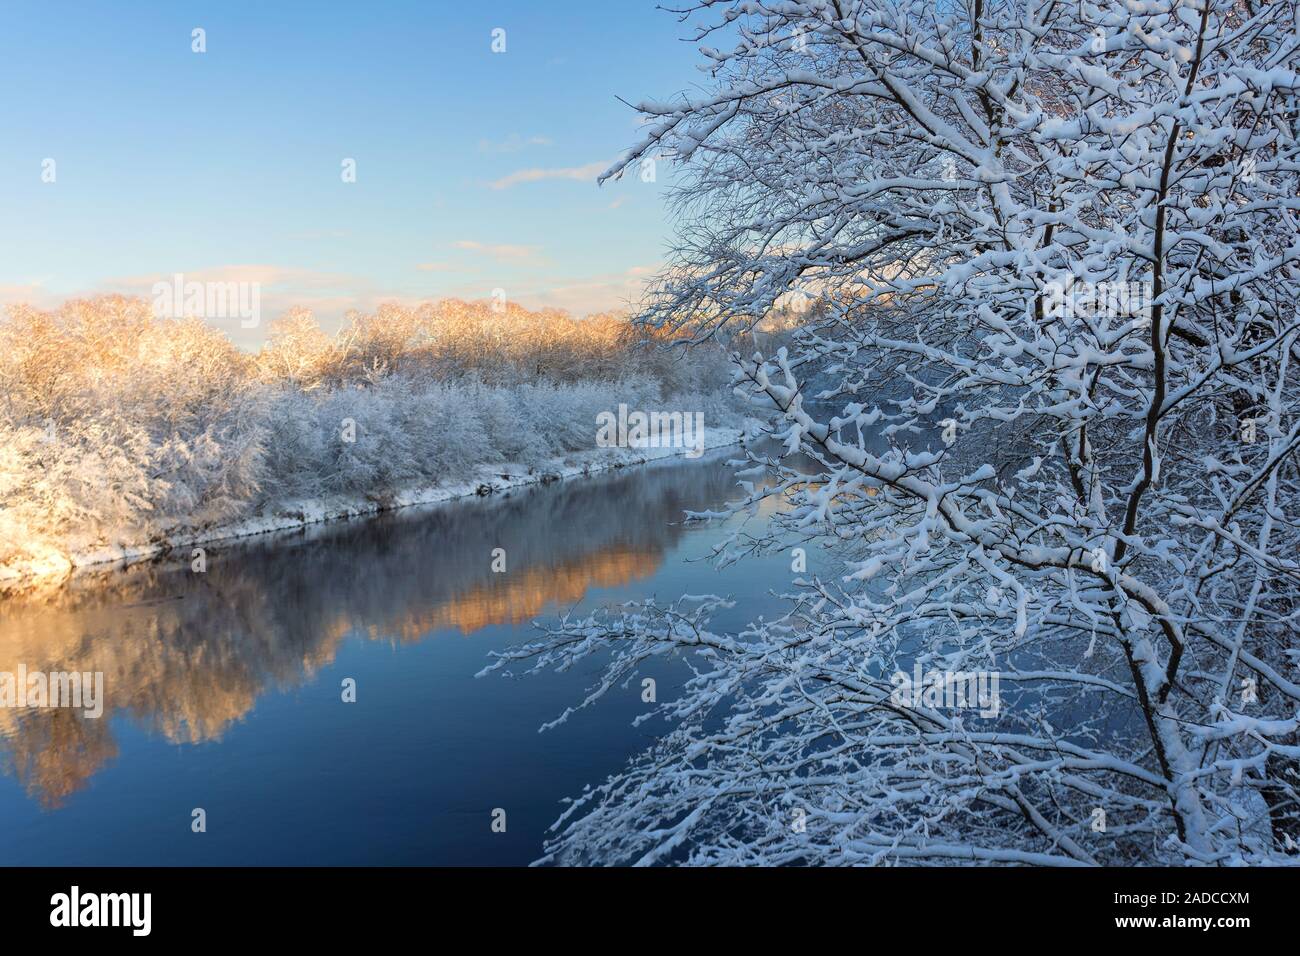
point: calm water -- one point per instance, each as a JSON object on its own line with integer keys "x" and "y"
{"x": 223, "y": 689}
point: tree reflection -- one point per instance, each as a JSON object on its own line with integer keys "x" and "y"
{"x": 185, "y": 655}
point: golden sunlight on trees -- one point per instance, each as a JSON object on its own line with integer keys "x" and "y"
{"x": 118, "y": 428}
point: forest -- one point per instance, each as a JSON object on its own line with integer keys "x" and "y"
{"x": 119, "y": 428}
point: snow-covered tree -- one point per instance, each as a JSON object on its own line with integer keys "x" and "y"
{"x": 120, "y": 428}
{"x": 1050, "y": 390}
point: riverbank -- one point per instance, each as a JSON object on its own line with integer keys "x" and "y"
{"x": 54, "y": 567}
{"x": 223, "y": 689}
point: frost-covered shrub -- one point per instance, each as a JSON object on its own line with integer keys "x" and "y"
{"x": 453, "y": 428}
{"x": 119, "y": 428}
{"x": 502, "y": 428}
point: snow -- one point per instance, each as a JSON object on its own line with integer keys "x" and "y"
{"x": 127, "y": 434}
{"x": 484, "y": 480}
{"x": 1098, "y": 520}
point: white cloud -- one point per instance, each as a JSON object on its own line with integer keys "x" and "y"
{"x": 583, "y": 295}
{"x": 498, "y": 250}
{"x": 33, "y": 292}
{"x": 331, "y": 295}
{"x": 587, "y": 173}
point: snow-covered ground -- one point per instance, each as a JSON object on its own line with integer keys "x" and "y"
{"x": 289, "y": 514}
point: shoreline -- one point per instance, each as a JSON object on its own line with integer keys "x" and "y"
{"x": 291, "y": 515}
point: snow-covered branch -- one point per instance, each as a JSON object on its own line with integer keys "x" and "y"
{"x": 1048, "y": 384}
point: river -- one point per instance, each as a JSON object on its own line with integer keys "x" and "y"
{"x": 223, "y": 690}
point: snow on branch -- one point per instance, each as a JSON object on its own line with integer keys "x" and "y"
{"x": 1040, "y": 408}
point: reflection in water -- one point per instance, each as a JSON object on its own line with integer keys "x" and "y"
{"x": 185, "y": 654}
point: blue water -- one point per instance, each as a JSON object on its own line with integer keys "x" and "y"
{"x": 223, "y": 689}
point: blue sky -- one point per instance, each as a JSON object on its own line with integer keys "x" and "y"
{"x": 474, "y": 169}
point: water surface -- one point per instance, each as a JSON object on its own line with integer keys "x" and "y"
{"x": 223, "y": 689}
